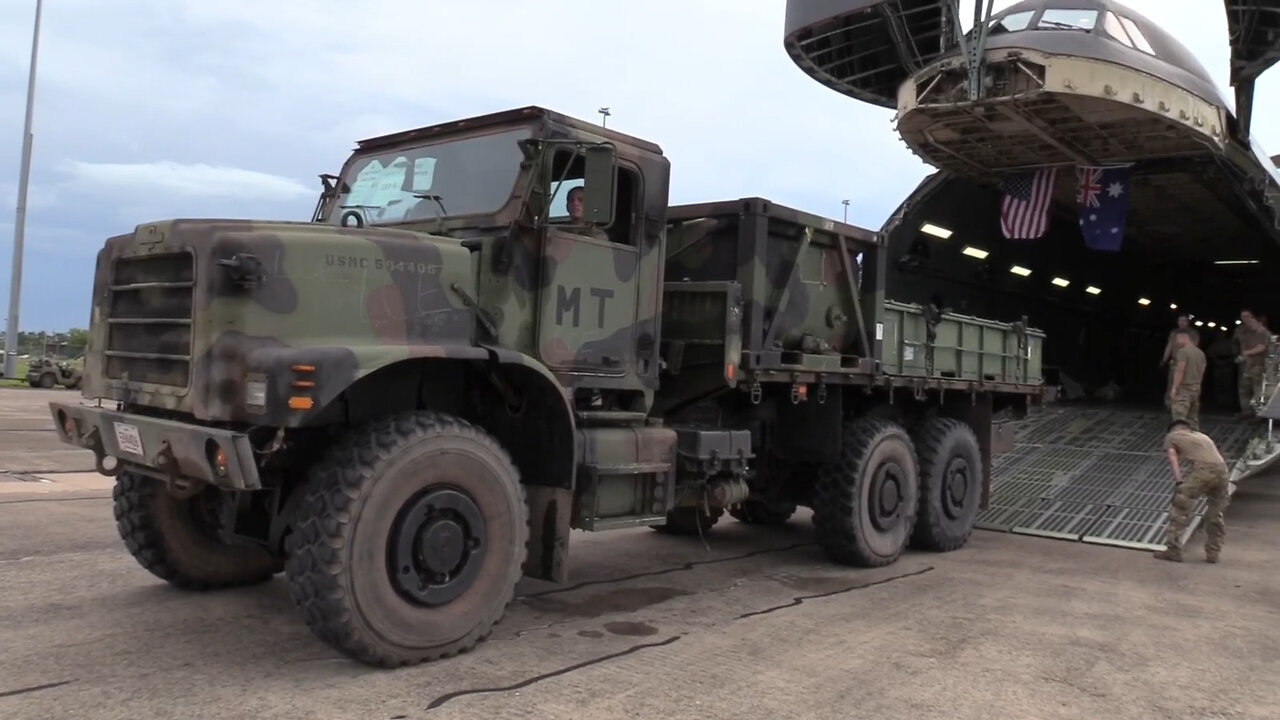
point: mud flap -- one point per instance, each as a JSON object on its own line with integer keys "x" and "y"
{"x": 549, "y": 513}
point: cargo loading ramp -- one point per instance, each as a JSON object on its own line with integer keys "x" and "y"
{"x": 1096, "y": 475}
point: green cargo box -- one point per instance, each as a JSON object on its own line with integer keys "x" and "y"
{"x": 964, "y": 347}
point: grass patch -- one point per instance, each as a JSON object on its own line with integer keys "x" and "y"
{"x": 20, "y": 379}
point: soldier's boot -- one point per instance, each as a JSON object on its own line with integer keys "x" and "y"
{"x": 1170, "y": 554}
{"x": 1210, "y": 556}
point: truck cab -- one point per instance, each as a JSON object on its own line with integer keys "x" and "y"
{"x": 580, "y": 295}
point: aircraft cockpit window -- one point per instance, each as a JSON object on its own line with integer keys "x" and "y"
{"x": 1068, "y": 20}
{"x": 1112, "y": 25}
{"x": 1012, "y": 22}
{"x": 1137, "y": 36}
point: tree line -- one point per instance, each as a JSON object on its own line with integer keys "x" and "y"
{"x": 66, "y": 343}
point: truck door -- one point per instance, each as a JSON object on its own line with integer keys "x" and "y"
{"x": 588, "y": 315}
{"x": 589, "y": 289}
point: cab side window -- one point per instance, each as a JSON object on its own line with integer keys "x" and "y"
{"x": 565, "y": 193}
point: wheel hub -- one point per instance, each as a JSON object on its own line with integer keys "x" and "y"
{"x": 886, "y": 497}
{"x": 436, "y": 547}
{"x": 441, "y": 545}
{"x": 955, "y": 487}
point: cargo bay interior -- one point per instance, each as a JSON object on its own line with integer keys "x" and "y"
{"x": 1201, "y": 231}
{"x": 1201, "y": 228}
{"x": 1190, "y": 245}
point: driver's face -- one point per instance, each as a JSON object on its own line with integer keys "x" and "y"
{"x": 574, "y": 204}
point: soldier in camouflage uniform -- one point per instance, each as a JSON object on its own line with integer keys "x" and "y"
{"x": 1251, "y": 338}
{"x": 1208, "y": 478}
{"x": 573, "y": 203}
{"x": 1184, "y": 387}
{"x": 1171, "y": 346}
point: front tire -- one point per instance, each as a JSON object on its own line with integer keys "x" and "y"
{"x": 865, "y": 503}
{"x": 409, "y": 541}
{"x": 176, "y": 539}
{"x": 950, "y": 484}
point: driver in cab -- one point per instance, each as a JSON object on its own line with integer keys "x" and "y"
{"x": 574, "y": 203}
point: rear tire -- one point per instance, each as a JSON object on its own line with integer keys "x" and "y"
{"x": 865, "y": 503}
{"x": 950, "y": 484}
{"x": 409, "y": 540}
{"x": 176, "y": 539}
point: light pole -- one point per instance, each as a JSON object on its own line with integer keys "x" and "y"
{"x": 20, "y": 219}
{"x": 845, "y": 203}
{"x": 604, "y": 116}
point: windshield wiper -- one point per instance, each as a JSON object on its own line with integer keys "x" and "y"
{"x": 439, "y": 201}
{"x": 1056, "y": 25}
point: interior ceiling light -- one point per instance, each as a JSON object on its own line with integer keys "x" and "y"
{"x": 1235, "y": 262}
{"x": 936, "y": 231}
{"x": 1237, "y": 322}
{"x": 1173, "y": 306}
{"x": 1061, "y": 282}
{"x": 1019, "y": 270}
{"x": 1199, "y": 323}
{"x": 974, "y": 252}
{"x": 1212, "y": 324}
{"x": 1093, "y": 290}
{"x": 1143, "y": 301}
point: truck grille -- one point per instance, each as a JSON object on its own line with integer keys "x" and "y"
{"x": 149, "y": 319}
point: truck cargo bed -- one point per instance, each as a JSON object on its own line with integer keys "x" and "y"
{"x": 813, "y": 310}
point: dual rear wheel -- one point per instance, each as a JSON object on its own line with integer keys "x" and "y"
{"x": 889, "y": 490}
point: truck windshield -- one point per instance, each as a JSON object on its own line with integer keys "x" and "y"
{"x": 454, "y": 177}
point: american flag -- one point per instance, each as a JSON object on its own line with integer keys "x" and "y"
{"x": 1024, "y": 208}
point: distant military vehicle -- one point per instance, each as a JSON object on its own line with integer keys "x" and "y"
{"x": 411, "y": 401}
{"x": 46, "y": 372}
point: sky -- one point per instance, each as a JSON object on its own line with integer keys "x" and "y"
{"x": 153, "y": 109}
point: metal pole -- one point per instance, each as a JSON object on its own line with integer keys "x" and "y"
{"x": 845, "y": 203}
{"x": 20, "y": 219}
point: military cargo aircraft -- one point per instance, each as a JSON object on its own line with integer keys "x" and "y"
{"x": 1067, "y": 85}
{"x": 1091, "y": 176}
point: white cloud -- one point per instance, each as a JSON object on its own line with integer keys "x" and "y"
{"x": 193, "y": 180}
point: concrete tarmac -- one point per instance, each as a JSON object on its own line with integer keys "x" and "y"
{"x": 756, "y": 623}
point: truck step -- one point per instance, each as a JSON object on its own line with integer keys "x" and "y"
{"x": 610, "y": 417}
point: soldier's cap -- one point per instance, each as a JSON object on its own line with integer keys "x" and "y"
{"x": 1176, "y": 423}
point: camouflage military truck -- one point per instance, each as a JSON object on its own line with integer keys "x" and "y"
{"x": 410, "y": 401}
{"x": 46, "y": 372}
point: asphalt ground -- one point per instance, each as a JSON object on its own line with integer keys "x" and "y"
{"x": 754, "y": 623}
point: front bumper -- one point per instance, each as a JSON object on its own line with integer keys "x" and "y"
{"x": 167, "y": 449}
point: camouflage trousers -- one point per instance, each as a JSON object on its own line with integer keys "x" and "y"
{"x": 1186, "y": 407}
{"x": 1203, "y": 481}
{"x": 1250, "y": 384}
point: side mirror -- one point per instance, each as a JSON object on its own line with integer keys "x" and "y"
{"x": 598, "y": 180}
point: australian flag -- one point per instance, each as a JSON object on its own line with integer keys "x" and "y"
{"x": 1102, "y": 199}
